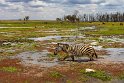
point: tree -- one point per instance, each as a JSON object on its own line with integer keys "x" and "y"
{"x": 103, "y": 17}
{"x": 72, "y": 18}
{"x": 26, "y": 18}
{"x": 58, "y": 19}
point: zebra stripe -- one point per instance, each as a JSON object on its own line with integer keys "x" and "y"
{"x": 76, "y": 50}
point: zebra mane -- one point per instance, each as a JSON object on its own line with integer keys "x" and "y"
{"x": 63, "y": 45}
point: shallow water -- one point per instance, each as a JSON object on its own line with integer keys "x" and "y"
{"x": 45, "y": 38}
{"x": 87, "y": 28}
{"x": 37, "y": 58}
{"x": 115, "y": 55}
{"x": 54, "y": 37}
{"x": 112, "y": 39}
{"x": 41, "y": 58}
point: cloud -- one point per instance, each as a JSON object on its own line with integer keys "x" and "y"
{"x": 37, "y": 4}
{"x": 18, "y": 1}
{"x": 113, "y": 3}
{"x": 50, "y": 9}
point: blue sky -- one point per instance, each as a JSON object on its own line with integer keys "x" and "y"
{"x": 51, "y": 9}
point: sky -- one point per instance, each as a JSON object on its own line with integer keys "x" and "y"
{"x": 52, "y": 9}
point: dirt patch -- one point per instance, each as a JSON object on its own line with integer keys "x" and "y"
{"x": 113, "y": 45}
{"x": 101, "y": 52}
{"x": 24, "y": 74}
{"x": 10, "y": 62}
{"x": 71, "y": 72}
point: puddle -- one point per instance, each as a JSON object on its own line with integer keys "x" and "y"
{"x": 70, "y": 30}
{"x": 94, "y": 43}
{"x": 37, "y": 58}
{"x": 9, "y": 34}
{"x": 54, "y": 37}
{"x": 46, "y": 38}
{"x": 98, "y": 47}
{"x": 51, "y": 31}
{"x": 112, "y": 39}
{"x": 48, "y": 31}
{"x": 11, "y": 43}
{"x": 115, "y": 55}
{"x": 87, "y": 28}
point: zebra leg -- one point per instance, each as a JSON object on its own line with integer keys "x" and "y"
{"x": 96, "y": 55}
{"x": 91, "y": 57}
{"x": 72, "y": 58}
{"x": 65, "y": 57}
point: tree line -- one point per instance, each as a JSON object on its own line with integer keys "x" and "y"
{"x": 98, "y": 17}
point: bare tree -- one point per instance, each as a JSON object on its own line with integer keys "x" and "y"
{"x": 103, "y": 17}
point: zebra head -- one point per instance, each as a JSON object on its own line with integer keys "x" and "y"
{"x": 61, "y": 47}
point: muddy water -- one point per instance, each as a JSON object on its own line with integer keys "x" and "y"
{"x": 46, "y": 38}
{"x": 112, "y": 39}
{"x": 54, "y": 37}
{"x": 41, "y": 59}
{"x": 115, "y": 55}
{"x": 37, "y": 58}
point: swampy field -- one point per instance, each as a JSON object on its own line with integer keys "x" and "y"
{"x": 26, "y": 52}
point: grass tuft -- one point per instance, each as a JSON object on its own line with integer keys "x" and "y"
{"x": 9, "y": 69}
{"x": 121, "y": 77}
{"x": 98, "y": 74}
{"x": 55, "y": 74}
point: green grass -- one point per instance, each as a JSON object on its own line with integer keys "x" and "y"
{"x": 1, "y": 58}
{"x": 40, "y": 24}
{"x": 16, "y": 31}
{"x": 121, "y": 77}
{"x": 69, "y": 81}
{"x": 102, "y": 29}
{"x": 83, "y": 79}
{"x": 98, "y": 74}
{"x": 9, "y": 69}
{"x": 55, "y": 74}
{"x": 108, "y": 30}
{"x": 51, "y": 55}
{"x": 49, "y": 82}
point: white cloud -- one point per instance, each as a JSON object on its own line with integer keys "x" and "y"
{"x": 37, "y": 3}
{"x": 2, "y": 1}
{"x": 50, "y": 9}
{"x": 113, "y": 3}
{"x": 97, "y": 1}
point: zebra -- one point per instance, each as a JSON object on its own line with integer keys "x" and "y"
{"x": 75, "y": 50}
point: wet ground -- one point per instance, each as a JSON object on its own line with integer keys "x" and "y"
{"x": 71, "y": 36}
{"x": 115, "y": 55}
{"x": 39, "y": 58}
